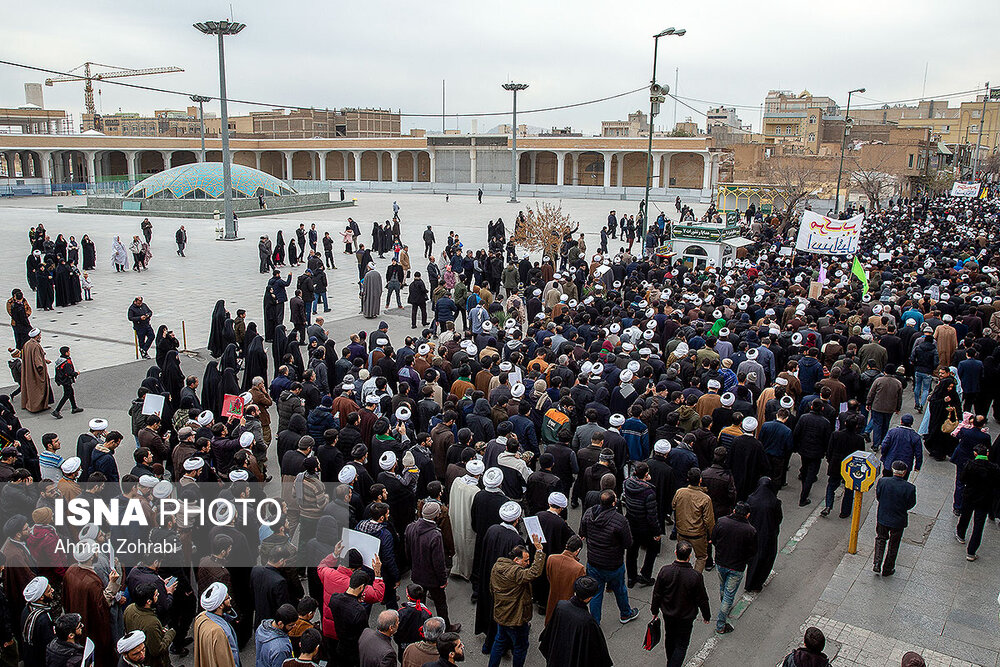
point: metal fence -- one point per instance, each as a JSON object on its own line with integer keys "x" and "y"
{"x": 13, "y": 188}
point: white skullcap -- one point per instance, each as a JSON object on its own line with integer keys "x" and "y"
{"x": 628, "y": 347}
{"x": 724, "y": 332}
{"x": 194, "y": 463}
{"x": 402, "y": 413}
{"x": 205, "y": 418}
{"x": 164, "y": 489}
{"x": 796, "y": 338}
{"x": 633, "y": 366}
{"x": 598, "y": 369}
{"x": 617, "y": 420}
{"x": 472, "y": 350}
{"x": 749, "y": 424}
{"x": 506, "y": 366}
{"x": 372, "y": 399}
{"x": 98, "y": 424}
{"x": 786, "y": 401}
{"x": 714, "y": 384}
{"x": 387, "y": 461}
{"x": 347, "y": 474}
{"x": 510, "y": 512}
{"x": 781, "y": 382}
{"x": 752, "y": 353}
{"x": 35, "y": 589}
{"x": 557, "y": 499}
{"x": 148, "y": 481}
{"x": 238, "y": 475}
{"x": 214, "y": 596}
{"x": 131, "y": 641}
{"x": 84, "y": 550}
{"x": 626, "y": 376}
{"x": 475, "y": 467}
{"x": 246, "y": 440}
{"x": 347, "y": 386}
{"x": 71, "y": 465}
{"x": 662, "y": 446}
{"x": 615, "y": 328}
{"x": 34, "y": 332}
{"x": 947, "y": 317}
{"x": 487, "y": 326}
{"x": 728, "y": 399}
{"x": 424, "y": 348}
{"x": 493, "y": 478}
{"x": 517, "y": 391}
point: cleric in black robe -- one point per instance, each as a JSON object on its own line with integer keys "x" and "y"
{"x": 747, "y": 460}
{"x": 219, "y": 315}
{"x": 279, "y": 250}
{"x": 573, "y": 638}
{"x": 62, "y": 284}
{"x": 293, "y": 253}
{"x": 497, "y": 543}
{"x": 485, "y": 512}
{"x": 765, "y": 517}
{"x": 255, "y": 361}
{"x": 172, "y": 377}
{"x": 272, "y": 315}
{"x": 89, "y": 253}
{"x": 211, "y": 387}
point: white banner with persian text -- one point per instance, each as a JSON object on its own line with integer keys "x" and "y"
{"x": 964, "y": 189}
{"x": 828, "y": 236}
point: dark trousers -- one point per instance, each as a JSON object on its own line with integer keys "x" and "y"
{"x": 510, "y": 637}
{"x": 779, "y": 469}
{"x": 68, "y": 395}
{"x": 428, "y": 250}
{"x": 676, "y": 637}
{"x": 440, "y": 599}
{"x": 145, "y": 335}
{"x": 884, "y": 534}
{"x": 300, "y": 329}
{"x": 180, "y": 249}
{"x": 978, "y": 517}
{"x": 330, "y": 262}
{"x": 652, "y": 548}
{"x": 808, "y": 473}
{"x": 414, "y": 307}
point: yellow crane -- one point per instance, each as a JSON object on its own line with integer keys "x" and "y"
{"x": 115, "y": 73}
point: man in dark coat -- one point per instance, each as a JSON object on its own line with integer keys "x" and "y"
{"x": 557, "y": 532}
{"x": 811, "y": 437}
{"x": 270, "y": 588}
{"x": 747, "y": 459}
{"x": 572, "y": 637}
{"x": 425, "y": 547}
{"x": 679, "y": 594}
{"x": 642, "y": 512}
{"x": 980, "y": 480}
{"x": 735, "y": 543}
{"x": 896, "y": 497}
{"x": 765, "y": 517}
{"x": 417, "y": 298}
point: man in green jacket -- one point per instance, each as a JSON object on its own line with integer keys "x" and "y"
{"x": 141, "y": 615}
{"x": 510, "y": 582}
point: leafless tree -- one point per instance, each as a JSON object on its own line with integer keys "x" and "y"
{"x": 544, "y": 228}
{"x": 796, "y": 176}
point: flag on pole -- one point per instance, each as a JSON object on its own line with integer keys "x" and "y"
{"x": 822, "y": 273}
{"x": 859, "y": 272}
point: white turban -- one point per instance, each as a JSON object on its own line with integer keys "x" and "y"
{"x": 387, "y": 461}
{"x": 475, "y": 467}
{"x": 347, "y": 474}
{"x": 749, "y": 424}
{"x": 617, "y": 420}
{"x": 71, "y": 465}
{"x": 238, "y": 475}
{"x": 214, "y": 596}
{"x": 493, "y": 478}
{"x": 98, "y": 424}
{"x": 246, "y": 440}
{"x": 205, "y": 418}
{"x": 194, "y": 463}
{"x": 148, "y": 481}
{"x": 131, "y": 641}
{"x": 728, "y": 399}
{"x": 35, "y": 589}
{"x": 509, "y": 511}
{"x": 557, "y": 499}
{"x": 34, "y": 332}
{"x": 163, "y": 490}
{"x": 662, "y": 447}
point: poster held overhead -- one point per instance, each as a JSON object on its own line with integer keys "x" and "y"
{"x": 828, "y": 236}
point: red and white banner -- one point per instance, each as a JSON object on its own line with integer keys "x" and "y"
{"x": 964, "y": 189}
{"x": 828, "y": 236}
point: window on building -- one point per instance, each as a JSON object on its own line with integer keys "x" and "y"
{"x": 975, "y": 113}
{"x": 946, "y": 128}
{"x": 812, "y": 120}
{"x": 910, "y": 165}
{"x": 812, "y": 137}
{"x": 973, "y": 129}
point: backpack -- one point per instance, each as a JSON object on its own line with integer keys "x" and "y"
{"x": 63, "y": 373}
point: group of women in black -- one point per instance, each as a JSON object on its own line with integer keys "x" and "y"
{"x": 52, "y": 268}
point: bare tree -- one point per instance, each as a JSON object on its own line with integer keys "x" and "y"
{"x": 544, "y": 228}
{"x": 876, "y": 185}
{"x": 876, "y": 171}
{"x": 796, "y": 176}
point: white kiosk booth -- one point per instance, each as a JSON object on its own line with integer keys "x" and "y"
{"x": 702, "y": 244}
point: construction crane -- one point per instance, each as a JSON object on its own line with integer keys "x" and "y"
{"x": 115, "y": 73}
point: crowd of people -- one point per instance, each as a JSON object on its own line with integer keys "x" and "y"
{"x": 658, "y": 403}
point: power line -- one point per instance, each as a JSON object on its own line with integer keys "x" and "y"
{"x": 702, "y": 113}
{"x": 168, "y": 91}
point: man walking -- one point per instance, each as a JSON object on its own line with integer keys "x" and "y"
{"x": 608, "y": 536}
{"x": 884, "y": 398}
{"x": 811, "y": 438}
{"x": 902, "y": 443}
{"x": 896, "y": 497}
{"x": 140, "y": 314}
{"x": 735, "y": 543}
{"x": 181, "y": 237}
{"x": 510, "y": 583}
{"x": 679, "y": 594}
{"x": 65, "y": 377}
{"x": 980, "y": 480}
{"x": 429, "y": 242}
{"x": 694, "y": 517}
{"x": 425, "y": 545}
{"x": 641, "y": 510}
{"x": 417, "y": 298}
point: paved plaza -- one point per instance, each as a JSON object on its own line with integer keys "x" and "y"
{"x": 936, "y": 604}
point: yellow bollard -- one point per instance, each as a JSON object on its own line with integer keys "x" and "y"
{"x": 184, "y": 335}
{"x": 852, "y": 544}
{"x": 859, "y": 472}
{"x": 136, "y": 335}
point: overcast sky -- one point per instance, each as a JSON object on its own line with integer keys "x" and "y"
{"x": 395, "y": 54}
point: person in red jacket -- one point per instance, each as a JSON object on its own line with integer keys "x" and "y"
{"x": 336, "y": 578}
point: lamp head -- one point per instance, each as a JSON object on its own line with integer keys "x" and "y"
{"x": 857, "y": 90}
{"x": 223, "y": 27}
{"x": 681, "y": 32}
{"x": 668, "y": 31}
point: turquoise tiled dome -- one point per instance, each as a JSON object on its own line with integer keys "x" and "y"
{"x": 203, "y": 180}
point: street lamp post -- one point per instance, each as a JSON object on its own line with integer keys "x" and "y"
{"x": 223, "y": 28}
{"x": 514, "y": 87}
{"x": 843, "y": 147}
{"x": 656, "y": 95}
{"x": 201, "y": 99}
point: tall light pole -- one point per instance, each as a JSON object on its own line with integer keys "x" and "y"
{"x": 514, "y": 87}
{"x": 979, "y": 134}
{"x": 843, "y": 147}
{"x": 223, "y": 28}
{"x": 657, "y": 94}
{"x": 201, "y": 99}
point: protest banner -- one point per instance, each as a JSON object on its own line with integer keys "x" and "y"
{"x": 232, "y": 406}
{"x": 828, "y": 236}
{"x": 964, "y": 189}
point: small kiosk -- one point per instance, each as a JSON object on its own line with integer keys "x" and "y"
{"x": 703, "y": 244}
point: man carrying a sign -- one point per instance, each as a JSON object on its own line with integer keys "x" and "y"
{"x": 896, "y": 497}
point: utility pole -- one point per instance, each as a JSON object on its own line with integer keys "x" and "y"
{"x": 201, "y": 99}
{"x": 979, "y": 134}
{"x": 442, "y": 106}
{"x": 843, "y": 147}
{"x": 676, "y": 89}
{"x": 514, "y": 87}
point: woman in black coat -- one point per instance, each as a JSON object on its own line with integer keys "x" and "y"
{"x": 89, "y": 253}
{"x": 172, "y": 377}
{"x": 255, "y": 361}
{"x": 219, "y": 316}
{"x": 229, "y": 359}
{"x": 940, "y": 444}
{"x": 164, "y": 342}
{"x": 765, "y": 517}
{"x": 211, "y": 388}
{"x": 279, "y": 250}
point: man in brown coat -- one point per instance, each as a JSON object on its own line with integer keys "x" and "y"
{"x": 424, "y": 651}
{"x": 562, "y": 571}
{"x": 694, "y": 517}
{"x": 36, "y": 393}
{"x": 510, "y": 583}
{"x": 375, "y": 647}
{"x": 263, "y": 401}
{"x": 442, "y": 437}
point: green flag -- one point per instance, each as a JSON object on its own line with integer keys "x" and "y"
{"x": 859, "y": 271}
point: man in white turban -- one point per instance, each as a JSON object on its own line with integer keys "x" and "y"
{"x": 132, "y": 648}
{"x": 461, "y": 497}
{"x": 214, "y": 639}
